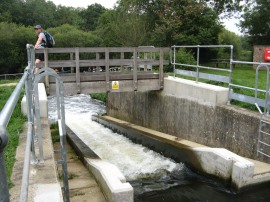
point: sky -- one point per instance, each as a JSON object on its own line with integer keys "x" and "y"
{"x": 229, "y": 24}
{"x": 84, "y": 3}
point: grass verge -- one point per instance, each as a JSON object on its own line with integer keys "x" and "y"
{"x": 15, "y": 127}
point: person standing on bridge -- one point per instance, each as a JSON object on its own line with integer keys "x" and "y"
{"x": 40, "y": 43}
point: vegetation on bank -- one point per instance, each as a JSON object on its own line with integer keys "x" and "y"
{"x": 99, "y": 96}
{"x": 130, "y": 23}
{"x": 15, "y": 127}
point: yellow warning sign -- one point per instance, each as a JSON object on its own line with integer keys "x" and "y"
{"x": 115, "y": 85}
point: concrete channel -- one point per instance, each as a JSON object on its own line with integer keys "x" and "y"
{"x": 219, "y": 163}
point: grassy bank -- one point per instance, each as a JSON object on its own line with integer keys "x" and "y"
{"x": 14, "y": 129}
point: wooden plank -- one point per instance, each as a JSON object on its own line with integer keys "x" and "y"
{"x": 92, "y": 50}
{"x": 101, "y": 87}
{"x": 107, "y": 58}
{"x": 121, "y": 49}
{"x": 93, "y": 63}
{"x": 62, "y": 63}
{"x": 113, "y": 62}
{"x": 161, "y": 82}
{"x": 72, "y": 68}
{"x": 56, "y": 50}
{"x": 78, "y": 80}
{"x": 92, "y": 77}
{"x": 102, "y": 49}
{"x": 135, "y": 66}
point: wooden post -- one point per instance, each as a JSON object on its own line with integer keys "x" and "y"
{"x": 107, "y": 62}
{"x": 97, "y": 58}
{"x": 161, "y": 79}
{"x": 135, "y": 65}
{"x": 71, "y": 58}
{"x": 46, "y": 59}
{"x": 122, "y": 58}
{"x": 78, "y": 79}
{"x": 145, "y": 57}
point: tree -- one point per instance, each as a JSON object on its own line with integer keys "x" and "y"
{"x": 13, "y": 40}
{"x": 70, "y": 36}
{"x": 66, "y": 15}
{"x": 229, "y": 38}
{"x": 226, "y": 6}
{"x": 172, "y": 22}
{"x": 256, "y": 22}
{"x": 120, "y": 28}
{"x": 90, "y": 16}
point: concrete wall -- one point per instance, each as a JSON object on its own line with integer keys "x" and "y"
{"x": 214, "y": 125}
{"x": 258, "y": 53}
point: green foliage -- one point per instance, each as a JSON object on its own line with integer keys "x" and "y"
{"x": 70, "y": 36}
{"x": 175, "y": 22}
{"x": 99, "y": 96}
{"x": 229, "y": 38}
{"x": 185, "y": 57}
{"x": 90, "y": 16}
{"x": 119, "y": 28}
{"x": 255, "y": 22}
{"x": 246, "y": 55}
{"x": 14, "y": 128}
{"x": 13, "y": 40}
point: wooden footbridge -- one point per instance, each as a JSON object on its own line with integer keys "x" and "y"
{"x": 96, "y": 70}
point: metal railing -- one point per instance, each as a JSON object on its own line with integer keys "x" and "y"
{"x": 10, "y": 76}
{"x": 4, "y": 120}
{"x": 252, "y": 99}
{"x": 198, "y": 67}
{"x": 221, "y": 78}
{"x": 263, "y": 145}
{"x": 31, "y": 82}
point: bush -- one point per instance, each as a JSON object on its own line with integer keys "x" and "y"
{"x": 185, "y": 57}
{"x": 70, "y": 36}
{"x": 13, "y": 40}
{"x": 99, "y": 96}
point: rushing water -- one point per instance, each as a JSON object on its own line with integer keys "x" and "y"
{"x": 154, "y": 177}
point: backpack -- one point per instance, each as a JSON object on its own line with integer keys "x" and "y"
{"x": 50, "y": 40}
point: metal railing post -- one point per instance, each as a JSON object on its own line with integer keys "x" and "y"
{"x": 4, "y": 194}
{"x": 174, "y": 59}
{"x": 198, "y": 62}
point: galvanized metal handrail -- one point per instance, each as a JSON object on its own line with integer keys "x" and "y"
{"x": 198, "y": 66}
{"x": 240, "y": 97}
{"x": 4, "y": 120}
{"x": 61, "y": 121}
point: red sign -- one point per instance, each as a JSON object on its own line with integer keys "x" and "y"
{"x": 267, "y": 54}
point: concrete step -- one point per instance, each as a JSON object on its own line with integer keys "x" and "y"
{"x": 82, "y": 183}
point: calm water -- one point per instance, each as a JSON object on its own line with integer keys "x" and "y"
{"x": 154, "y": 177}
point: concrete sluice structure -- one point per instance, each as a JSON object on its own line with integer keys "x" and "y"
{"x": 188, "y": 122}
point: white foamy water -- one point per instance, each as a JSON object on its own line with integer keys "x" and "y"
{"x": 135, "y": 161}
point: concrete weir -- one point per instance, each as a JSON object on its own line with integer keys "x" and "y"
{"x": 237, "y": 171}
{"x": 109, "y": 177}
{"x": 185, "y": 112}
